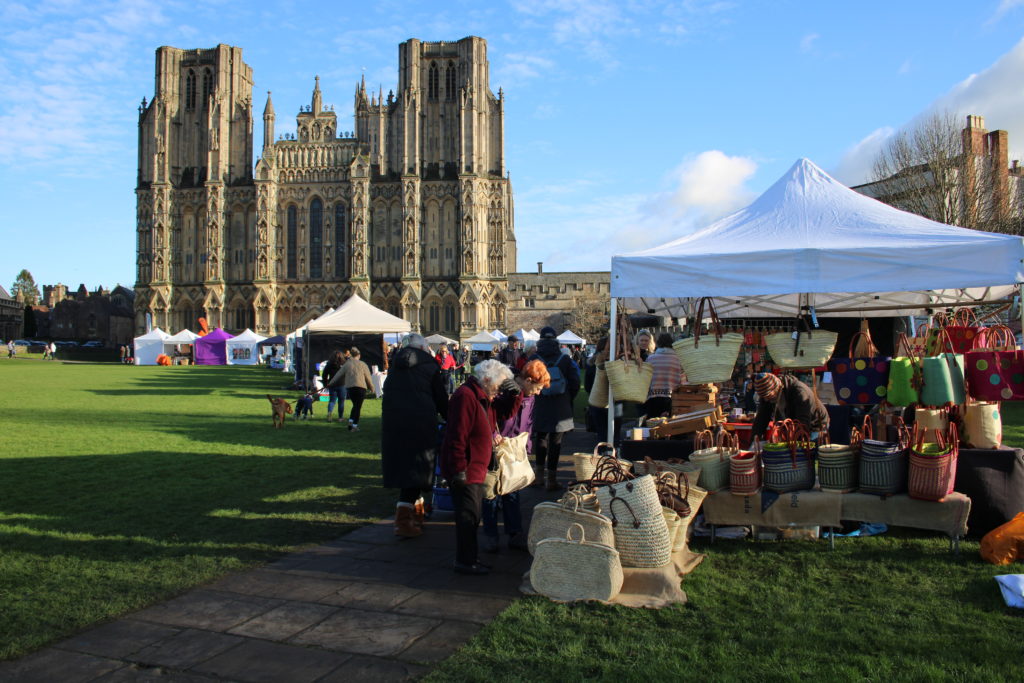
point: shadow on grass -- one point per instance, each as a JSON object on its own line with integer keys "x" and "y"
{"x": 196, "y": 378}
{"x": 177, "y": 503}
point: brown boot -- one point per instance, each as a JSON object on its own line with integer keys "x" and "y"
{"x": 553, "y": 484}
{"x": 405, "y": 522}
{"x": 419, "y": 513}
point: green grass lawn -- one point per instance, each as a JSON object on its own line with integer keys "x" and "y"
{"x": 121, "y": 486}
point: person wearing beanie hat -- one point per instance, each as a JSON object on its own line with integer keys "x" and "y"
{"x": 784, "y": 398}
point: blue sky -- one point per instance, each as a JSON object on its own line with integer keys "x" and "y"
{"x": 627, "y": 123}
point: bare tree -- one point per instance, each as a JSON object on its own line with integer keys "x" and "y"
{"x": 931, "y": 170}
{"x": 590, "y": 316}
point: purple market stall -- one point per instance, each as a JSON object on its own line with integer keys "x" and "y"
{"x": 212, "y": 349}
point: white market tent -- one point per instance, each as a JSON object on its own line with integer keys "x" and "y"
{"x": 811, "y": 243}
{"x": 183, "y": 337}
{"x": 499, "y": 335}
{"x": 482, "y": 341}
{"x": 243, "y": 349}
{"x": 149, "y": 346}
{"x": 525, "y": 336}
{"x": 439, "y": 340}
{"x": 290, "y": 340}
{"x": 571, "y": 338}
{"x": 357, "y": 315}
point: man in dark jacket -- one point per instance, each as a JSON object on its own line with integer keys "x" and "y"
{"x": 784, "y": 398}
{"x": 552, "y": 410}
{"x": 414, "y": 396}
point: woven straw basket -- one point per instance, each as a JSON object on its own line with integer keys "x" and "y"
{"x": 713, "y": 461}
{"x": 883, "y": 467}
{"x": 705, "y": 359}
{"x": 694, "y": 496}
{"x": 584, "y": 464}
{"x": 744, "y": 474}
{"x": 629, "y": 380}
{"x": 689, "y": 470}
{"x": 641, "y": 534}
{"x": 673, "y": 522}
{"x": 552, "y": 520}
{"x": 932, "y": 469}
{"x": 571, "y": 569}
{"x": 837, "y": 468}
{"x": 814, "y": 350}
{"x": 783, "y": 473}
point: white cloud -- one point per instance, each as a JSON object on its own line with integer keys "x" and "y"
{"x": 1005, "y": 6}
{"x": 590, "y": 231}
{"x": 993, "y": 93}
{"x": 807, "y": 42}
{"x": 516, "y": 68}
{"x": 905, "y": 68}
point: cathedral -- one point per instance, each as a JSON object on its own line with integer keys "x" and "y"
{"x": 412, "y": 210}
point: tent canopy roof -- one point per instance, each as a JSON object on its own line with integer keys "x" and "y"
{"x": 810, "y": 234}
{"x": 183, "y": 337}
{"x": 436, "y": 339}
{"x": 570, "y": 337}
{"x": 247, "y": 337}
{"x": 483, "y": 338}
{"x": 218, "y": 335}
{"x": 279, "y": 339}
{"x": 524, "y": 336}
{"x": 355, "y": 316}
{"x": 155, "y": 334}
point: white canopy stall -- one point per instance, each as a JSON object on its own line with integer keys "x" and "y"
{"x": 570, "y": 338}
{"x": 243, "y": 349}
{"x": 354, "y": 323}
{"x": 499, "y": 335}
{"x": 525, "y": 336}
{"x": 482, "y": 341}
{"x": 438, "y": 340}
{"x": 811, "y": 245}
{"x": 149, "y": 346}
{"x": 291, "y": 340}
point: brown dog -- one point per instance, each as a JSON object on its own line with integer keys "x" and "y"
{"x": 281, "y": 408}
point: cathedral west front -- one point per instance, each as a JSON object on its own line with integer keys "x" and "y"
{"x": 412, "y": 210}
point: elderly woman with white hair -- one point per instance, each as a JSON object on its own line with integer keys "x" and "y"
{"x": 414, "y": 397}
{"x": 467, "y": 449}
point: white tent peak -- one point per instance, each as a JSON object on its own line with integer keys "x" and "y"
{"x": 247, "y": 336}
{"x": 358, "y": 315}
{"x": 809, "y": 233}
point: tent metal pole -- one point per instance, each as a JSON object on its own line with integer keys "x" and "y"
{"x": 1020, "y": 293}
{"x": 897, "y": 307}
{"x": 613, "y": 317}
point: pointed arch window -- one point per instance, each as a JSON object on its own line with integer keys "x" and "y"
{"x": 207, "y": 86}
{"x": 293, "y": 240}
{"x": 190, "y": 90}
{"x": 449, "y": 82}
{"x": 340, "y": 242}
{"x": 433, "y": 78}
{"x": 316, "y": 239}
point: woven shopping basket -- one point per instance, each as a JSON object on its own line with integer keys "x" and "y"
{"x": 599, "y": 392}
{"x": 584, "y": 464}
{"x": 690, "y": 470}
{"x": 641, "y": 534}
{"x": 630, "y": 377}
{"x": 838, "y": 466}
{"x": 713, "y": 460}
{"x": 573, "y": 568}
{"x": 803, "y": 349}
{"x": 552, "y": 520}
{"x": 883, "y": 464}
{"x": 932, "y": 469}
{"x": 715, "y": 359}
{"x": 788, "y": 458}
{"x": 745, "y": 474}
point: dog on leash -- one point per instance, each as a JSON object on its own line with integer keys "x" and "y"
{"x": 280, "y": 408}
{"x": 304, "y": 406}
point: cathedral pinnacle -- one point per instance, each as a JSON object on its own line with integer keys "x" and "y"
{"x": 268, "y": 111}
{"x": 317, "y": 98}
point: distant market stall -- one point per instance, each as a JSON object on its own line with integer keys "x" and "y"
{"x": 149, "y": 346}
{"x": 354, "y": 323}
{"x": 243, "y": 349}
{"x": 211, "y": 349}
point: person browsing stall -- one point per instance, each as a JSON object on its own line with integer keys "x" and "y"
{"x": 334, "y": 383}
{"x": 787, "y": 398}
{"x": 552, "y": 411}
{"x": 668, "y": 374}
{"x": 446, "y": 362}
{"x": 357, "y": 381}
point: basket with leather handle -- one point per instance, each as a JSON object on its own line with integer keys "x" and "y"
{"x": 802, "y": 348}
{"x": 883, "y": 464}
{"x": 641, "y": 534}
{"x": 551, "y": 520}
{"x": 713, "y": 459}
{"x": 628, "y": 377}
{"x": 932, "y": 467}
{"x": 571, "y": 568}
{"x": 713, "y": 357}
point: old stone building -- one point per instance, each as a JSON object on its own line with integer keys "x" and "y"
{"x": 413, "y": 210}
{"x": 12, "y": 314}
{"x": 103, "y": 314}
{"x": 579, "y": 301}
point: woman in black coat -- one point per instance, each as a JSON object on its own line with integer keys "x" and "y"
{"x": 552, "y": 410}
{"x": 414, "y": 396}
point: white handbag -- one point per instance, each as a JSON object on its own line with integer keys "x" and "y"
{"x": 514, "y": 469}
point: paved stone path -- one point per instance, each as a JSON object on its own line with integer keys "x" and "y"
{"x": 368, "y": 606}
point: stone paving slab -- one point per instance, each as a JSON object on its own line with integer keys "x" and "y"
{"x": 368, "y": 606}
{"x": 257, "y": 661}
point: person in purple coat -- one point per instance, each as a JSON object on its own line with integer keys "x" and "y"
{"x": 533, "y": 377}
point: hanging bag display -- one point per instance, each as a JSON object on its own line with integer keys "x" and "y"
{"x": 983, "y": 425}
{"x": 942, "y": 375}
{"x": 802, "y": 348}
{"x": 964, "y": 331}
{"x": 629, "y": 377}
{"x": 641, "y": 534}
{"x": 552, "y": 520}
{"x": 904, "y": 375}
{"x": 883, "y": 464}
{"x": 573, "y": 568}
{"x": 713, "y": 358}
{"x": 919, "y": 342}
{"x": 996, "y": 372}
{"x": 933, "y": 465}
{"x": 599, "y": 391}
{"x": 860, "y": 380}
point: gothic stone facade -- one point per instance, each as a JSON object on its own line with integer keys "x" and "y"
{"x": 412, "y": 210}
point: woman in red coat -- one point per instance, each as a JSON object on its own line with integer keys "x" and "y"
{"x": 467, "y": 449}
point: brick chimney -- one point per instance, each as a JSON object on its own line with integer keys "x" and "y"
{"x": 974, "y": 136}
{"x": 540, "y": 267}
{"x": 998, "y": 149}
